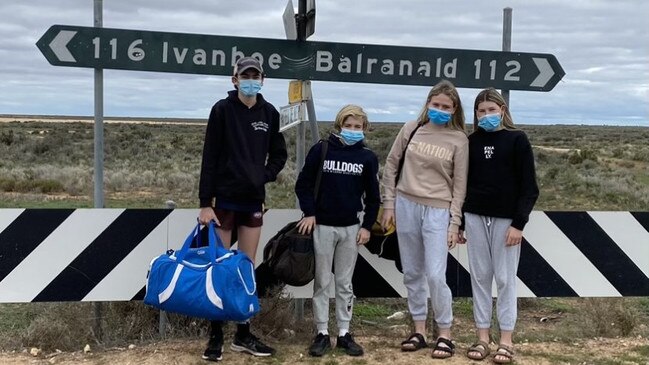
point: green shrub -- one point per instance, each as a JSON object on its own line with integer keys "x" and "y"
{"x": 7, "y": 138}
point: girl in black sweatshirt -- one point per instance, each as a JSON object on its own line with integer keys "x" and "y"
{"x": 501, "y": 192}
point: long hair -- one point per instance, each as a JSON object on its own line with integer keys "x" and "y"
{"x": 351, "y": 111}
{"x": 491, "y": 94}
{"x": 447, "y": 88}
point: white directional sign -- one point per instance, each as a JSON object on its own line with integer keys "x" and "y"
{"x": 291, "y": 115}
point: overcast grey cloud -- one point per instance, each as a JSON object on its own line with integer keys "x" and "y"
{"x": 602, "y": 46}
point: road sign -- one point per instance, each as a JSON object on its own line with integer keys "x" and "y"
{"x": 291, "y": 115}
{"x": 74, "y": 46}
{"x": 288, "y": 18}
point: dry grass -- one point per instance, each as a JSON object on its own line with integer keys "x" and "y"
{"x": 50, "y": 165}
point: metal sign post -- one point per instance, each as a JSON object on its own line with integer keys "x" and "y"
{"x": 507, "y": 42}
{"x": 98, "y": 22}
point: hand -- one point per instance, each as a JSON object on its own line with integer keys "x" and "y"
{"x": 387, "y": 219}
{"x": 363, "y": 236}
{"x": 514, "y": 236}
{"x": 206, "y": 215}
{"x": 462, "y": 238}
{"x": 452, "y": 238}
{"x": 305, "y": 225}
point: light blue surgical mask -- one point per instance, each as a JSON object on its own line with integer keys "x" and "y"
{"x": 489, "y": 122}
{"x": 350, "y": 136}
{"x": 438, "y": 116}
{"x": 249, "y": 88}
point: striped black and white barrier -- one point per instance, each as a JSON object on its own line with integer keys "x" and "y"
{"x": 103, "y": 254}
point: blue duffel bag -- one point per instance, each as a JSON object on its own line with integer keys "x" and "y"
{"x": 208, "y": 282}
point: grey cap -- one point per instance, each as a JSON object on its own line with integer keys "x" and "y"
{"x": 246, "y": 63}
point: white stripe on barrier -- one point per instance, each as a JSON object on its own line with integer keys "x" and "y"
{"x": 7, "y": 216}
{"x": 55, "y": 253}
{"x": 629, "y": 235}
{"x": 557, "y": 249}
{"x": 127, "y": 278}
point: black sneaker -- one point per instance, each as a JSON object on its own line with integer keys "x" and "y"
{"x": 321, "y": 344}
{"x": 348, "y": 344}
{"x": 251, "y": 344}
{"x": 214, "y": 351}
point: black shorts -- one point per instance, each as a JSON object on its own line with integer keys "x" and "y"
{"x": 231, "y": 218}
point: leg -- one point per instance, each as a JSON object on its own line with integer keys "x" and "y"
{"x": 481, "y": 267}
{"x": 411, "y": 252}
{"x": 214, "y": 351}
{"x": 505, "y": 264}
{"x": 345, "y": 254}
{"x": 248, "y": 233}
{"x": 324, "y": 239}
{"x": 435, "y": 233}
{"x": 249, "y": 240}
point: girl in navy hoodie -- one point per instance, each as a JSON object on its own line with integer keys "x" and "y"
{"x": 349, "y": 179}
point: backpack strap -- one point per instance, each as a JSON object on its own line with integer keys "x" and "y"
{"x": 403, "y": 155}
{"x": 323, "y": 155}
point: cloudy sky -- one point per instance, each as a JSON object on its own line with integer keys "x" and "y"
{"x": 603, "y": 46}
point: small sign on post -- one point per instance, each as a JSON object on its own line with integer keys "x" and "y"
{"x": 299, "y": 91}
{"x": 291, "y": 115}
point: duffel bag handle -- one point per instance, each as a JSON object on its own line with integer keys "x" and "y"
{"x": 214, "y": 242}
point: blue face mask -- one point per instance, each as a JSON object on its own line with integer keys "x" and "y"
{"x": 489, "y": 122}
{"x": 438, "y": 117}
{"x": 249, "y": 87}
{"x": 351, "y": 137}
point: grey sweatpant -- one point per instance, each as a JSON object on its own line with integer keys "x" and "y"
{"x": 335, "y": 245}
{"x": 489, "y": 258}
{"x": 422, "y": 232}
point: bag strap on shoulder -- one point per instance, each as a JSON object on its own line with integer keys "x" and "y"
{"x": 323, "y": 155}
{"x": 403, "y": 155}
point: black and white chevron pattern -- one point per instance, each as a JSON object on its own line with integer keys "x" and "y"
{"x": 103, "y": 254}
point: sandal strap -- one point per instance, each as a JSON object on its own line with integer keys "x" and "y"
{"x": 508, "y": 351}
{"x": 450, "y": 347}
{"x": 480, "y": 347}
{"x": 417, "y": 340}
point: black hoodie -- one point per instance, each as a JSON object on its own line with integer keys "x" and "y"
{"x": 243, "y": 150}
{"x": 349, "y": 173}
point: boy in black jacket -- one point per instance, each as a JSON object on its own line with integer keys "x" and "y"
{"x": 349, "y": 173}
{"x": 243, "y": 151}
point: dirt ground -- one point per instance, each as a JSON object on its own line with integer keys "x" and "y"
{"x": 378, "y": 351}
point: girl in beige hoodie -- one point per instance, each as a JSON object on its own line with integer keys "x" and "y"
{"x": 424, "y": 184}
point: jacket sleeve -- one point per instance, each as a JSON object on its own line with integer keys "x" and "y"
{"x": 391, "y": 166}
{"x": 305, "y": 184}
{"x": 277, "y": 154}
{"x": 212, "y": 148}
{"x": 372, "y": 193}
{"x": 460, "y": 176}
{"x": 529, "y": 190}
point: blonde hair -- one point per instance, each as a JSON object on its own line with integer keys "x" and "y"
{"x": 491, "y": 94}
{"x": 447, "y": 88}
{"x": 351, "y": 111}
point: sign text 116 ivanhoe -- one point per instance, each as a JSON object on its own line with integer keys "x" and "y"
{"x": 108, "y": 48}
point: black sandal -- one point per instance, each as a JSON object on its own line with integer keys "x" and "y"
{"x": 448, "y": 350}
{"x": 415, "y": 342}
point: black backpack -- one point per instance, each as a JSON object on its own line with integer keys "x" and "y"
{"x": 290, "y": 256}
